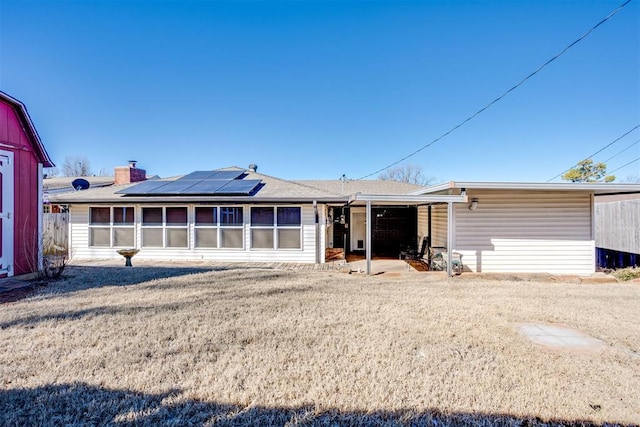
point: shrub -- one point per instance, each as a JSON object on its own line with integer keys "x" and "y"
{"x": 627, "y": 273}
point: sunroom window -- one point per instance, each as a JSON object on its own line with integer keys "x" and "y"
{"x": 276, "y": 227}
{"x": 206, "y": 227}
{"x": 231, "y": 228}
{"x": 112, "y": 226}
{"x": 165, "y": 227}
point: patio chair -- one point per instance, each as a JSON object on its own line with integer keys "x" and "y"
{"x": 412, "y": 254}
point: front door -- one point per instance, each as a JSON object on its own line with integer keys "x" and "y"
{"x": 358, "y": 230}
{"x": 6, "y": 213}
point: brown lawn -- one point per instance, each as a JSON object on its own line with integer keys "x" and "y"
{"x": 177, "y": 346}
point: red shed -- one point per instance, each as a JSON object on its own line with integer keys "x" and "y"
{"x": 22, "y": 157}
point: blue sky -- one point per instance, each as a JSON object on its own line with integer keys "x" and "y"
{"x": 314, "y": 90}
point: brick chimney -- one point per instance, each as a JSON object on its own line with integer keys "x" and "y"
{"x": 129, "y": 174}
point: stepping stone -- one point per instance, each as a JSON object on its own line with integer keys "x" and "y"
{"x": 560, "y": 337}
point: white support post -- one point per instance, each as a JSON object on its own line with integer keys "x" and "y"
{"x": 368, "y": 236}
{"x": 450, "y": 219}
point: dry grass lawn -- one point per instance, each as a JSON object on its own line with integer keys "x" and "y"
{"x": 183, "y": 346}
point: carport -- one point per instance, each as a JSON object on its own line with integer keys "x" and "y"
{"x": 369, "y": 200}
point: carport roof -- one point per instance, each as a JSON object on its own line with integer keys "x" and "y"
{"x": 597, "y": 188}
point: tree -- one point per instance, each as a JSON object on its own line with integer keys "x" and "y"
{"x": 633, "y": 179}
{"x": 413, "y": 174}
{"x": 587, "y": 171}
{"x": 51, "y": 172}
{"x": 76, "y": 166}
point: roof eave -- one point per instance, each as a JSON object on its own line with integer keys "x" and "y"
{"x": 32, "y": 132}
{"x": 193, "y": 200}
{"x": 594, "y": 187}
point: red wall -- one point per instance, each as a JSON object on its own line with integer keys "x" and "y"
{"x": 25, "y": 169}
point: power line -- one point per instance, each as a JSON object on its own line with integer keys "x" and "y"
{"x": 625, "y": 165}
{"x": 621, "y": 151}
{"x": 599, "y": 151}
{"x": 468, "y": 119}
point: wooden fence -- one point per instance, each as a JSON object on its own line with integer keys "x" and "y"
{"x": 55, "y": 227}
{"x": 618, "y": 225}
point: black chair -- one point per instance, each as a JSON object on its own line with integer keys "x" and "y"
{"x": 411, "y": 254}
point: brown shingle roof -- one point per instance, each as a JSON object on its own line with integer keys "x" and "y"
{"x": 274, "y": 189}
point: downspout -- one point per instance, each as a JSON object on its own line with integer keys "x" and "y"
{"x": 429, "y": 234}
{"x": 592, "y": 208}
{"x": 368, "y": 236}
{"x": 317, "y": 230}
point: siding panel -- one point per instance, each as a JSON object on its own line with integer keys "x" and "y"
{"x": 79, "y": 230}
{"x": 525, "y": 232}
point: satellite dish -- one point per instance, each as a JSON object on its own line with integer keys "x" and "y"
{"x": 80, "y": 184}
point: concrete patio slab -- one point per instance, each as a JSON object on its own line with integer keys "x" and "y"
{"x": 560, "y": 337}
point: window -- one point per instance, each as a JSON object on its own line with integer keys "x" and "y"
{"x": 231, "y": 228}
{"x": 206, "y": 227}
{"x": 165, "y": 227}
{"x": 112, "y": 226}
{"x": 219, "y": 227}
{"x": 276, "y": 228}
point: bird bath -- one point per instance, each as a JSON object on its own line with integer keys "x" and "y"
{"x": 128, "y": 254}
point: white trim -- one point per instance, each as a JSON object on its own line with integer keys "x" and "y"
{"x": 380, "y": 199}
{"x": 8, "y": 211}
{"x": 595, "y": 187}
{"x": 40, "y": 225}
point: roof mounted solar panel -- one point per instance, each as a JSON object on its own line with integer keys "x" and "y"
{"x": 175, "y": 187}
{"x": 143, "y": 187}
{"x": 227, "y": 175}
{"x": 224, "y": 182}
{"x": 199, "y": 175}
{"x": 206, "y": 186}
{"x": 238, "y": 186}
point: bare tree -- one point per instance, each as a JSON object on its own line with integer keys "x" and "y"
{"x": 51, "y": 172}
{"x": 411, "y": 173}
{"x": 76, "y": 166}
{"x": 633, "y": 179}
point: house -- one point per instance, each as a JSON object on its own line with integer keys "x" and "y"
{"x": 617, "y": 230}
{"x": 230, "y": 214}
{"x": 236, "y": 214}
{"x": 65, "y": 184}
{"x": 520, "y": 227}
{"x": 22, "y": 157}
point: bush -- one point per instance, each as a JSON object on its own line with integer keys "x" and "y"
{"x": 628, "y": 273}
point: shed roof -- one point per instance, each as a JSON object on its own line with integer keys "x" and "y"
{"x": 29, "y": 128}
{"x": 597, "y": 188}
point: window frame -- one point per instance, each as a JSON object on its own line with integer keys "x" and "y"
{"x": 112, "y": 226}
{"x": 275, "y": 228}
{"x": 165, "y": 227}
{"x": 220, "y": 226}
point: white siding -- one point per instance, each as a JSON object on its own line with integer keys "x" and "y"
{"x": 526, "y": 231}
{"x": 79, "y": 231}
{"x": 439, "y": 225}
{"x": 423, "y": 223}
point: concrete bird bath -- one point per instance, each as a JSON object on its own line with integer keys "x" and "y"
{"x": 128, "y": 254}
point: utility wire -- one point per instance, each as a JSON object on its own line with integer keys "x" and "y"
{"x": 599, "y": 151}
{"x": 468, "y": 119}
{"x": 625, "y": 165}
{"x": 621, "y": 151}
